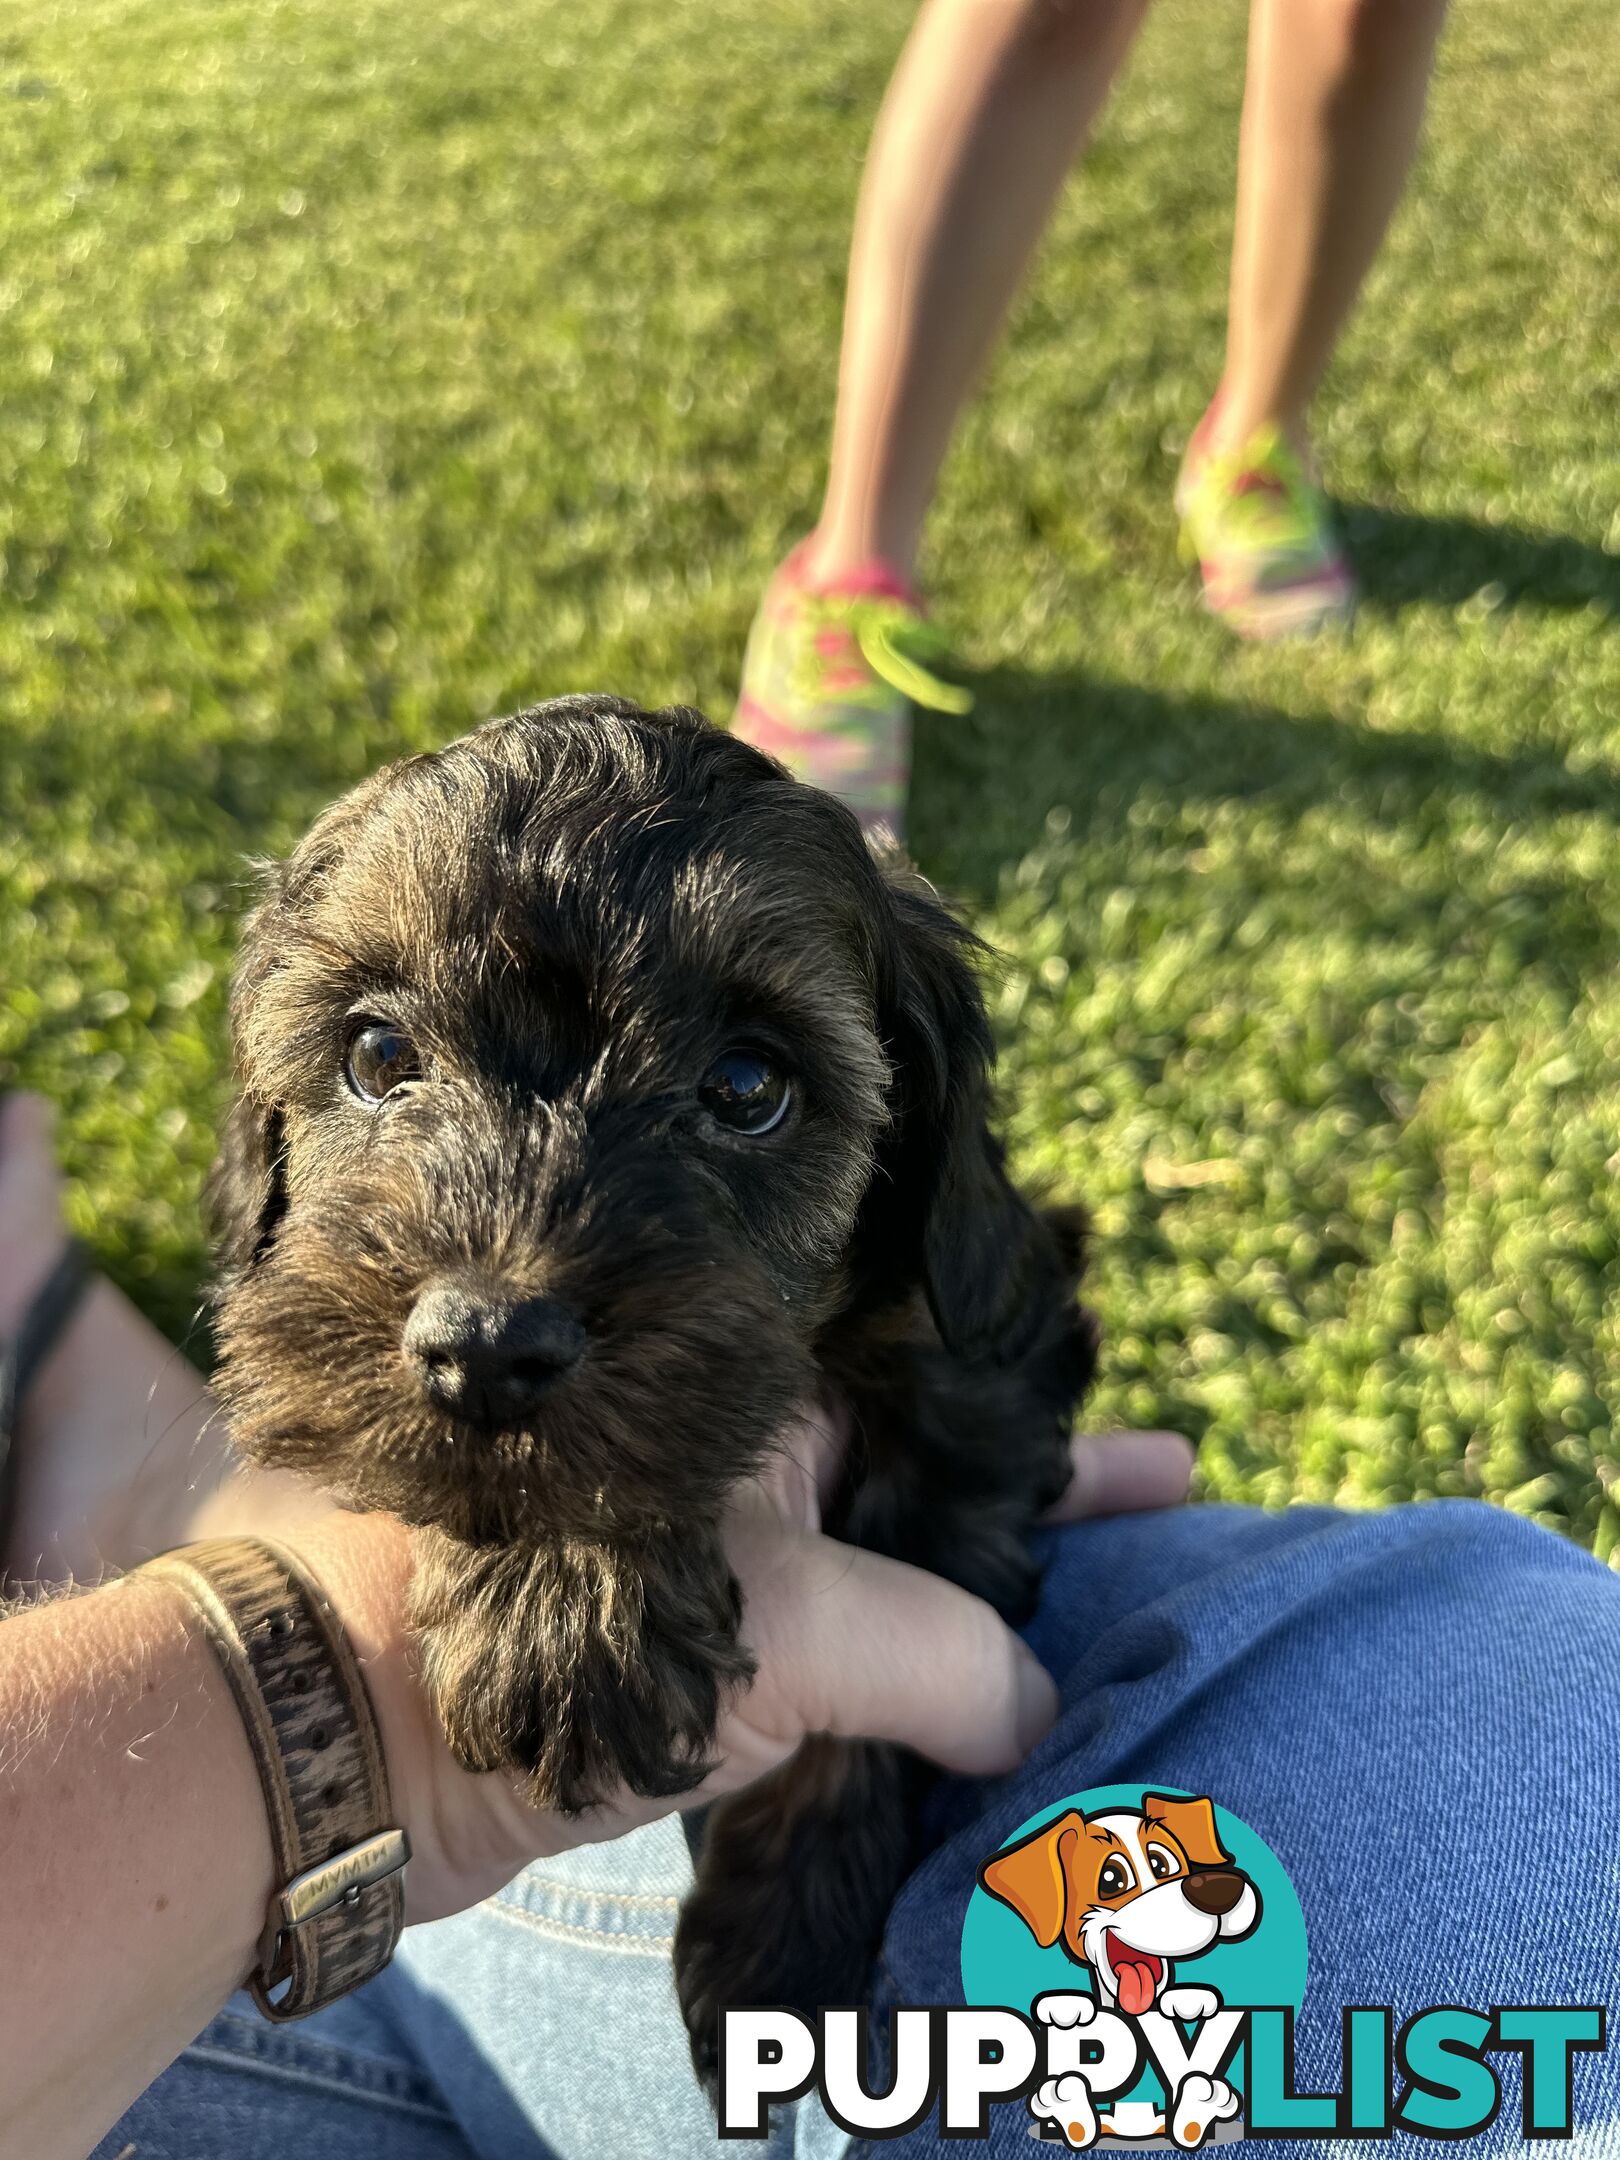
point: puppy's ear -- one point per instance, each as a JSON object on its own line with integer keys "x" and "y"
{"x": 246, "y": 1193}
{"x": 1033, "y": 1876}
{"x": 245, "y": 1196}
{"x": 1192, "y": 1824}
{"x": 991, "y": 1267}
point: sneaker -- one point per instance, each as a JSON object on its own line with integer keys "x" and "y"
{"x": 1258, "y": 527}
{"x": 829, "y": 680}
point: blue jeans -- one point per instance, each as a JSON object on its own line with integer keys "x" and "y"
{"x": 1419, "y": 1711}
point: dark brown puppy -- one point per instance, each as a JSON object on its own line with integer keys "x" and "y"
{"x": 602, "y": 1098}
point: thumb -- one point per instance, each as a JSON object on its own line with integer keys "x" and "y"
{"x": 884, "y": 1651}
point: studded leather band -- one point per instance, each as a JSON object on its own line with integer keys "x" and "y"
{"x": 336, "y": 1919}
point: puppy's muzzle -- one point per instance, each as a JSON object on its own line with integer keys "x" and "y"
{"x": 1214, "y": 1890}
{"x": 486, "y": 1358}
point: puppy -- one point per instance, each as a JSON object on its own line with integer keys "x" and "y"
{"x": 601, "y": 1099}
{"x": 1126, "y": 1892}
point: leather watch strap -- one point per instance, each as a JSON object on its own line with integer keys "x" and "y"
{"x": 337, "y": 1916}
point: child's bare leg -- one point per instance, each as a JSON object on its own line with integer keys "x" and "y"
{"x": 1331, "y": 116}
{"x": 988, "y": 108}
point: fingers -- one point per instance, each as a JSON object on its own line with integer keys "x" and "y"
{"x": 803, "y": 1470}
{"x": 1115, "y": 1473}
{"x": 884, "y": 1651}
{"x": 850, "y": 1642}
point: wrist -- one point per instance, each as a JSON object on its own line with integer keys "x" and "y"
{"x": 469, "y": 1834}
{"x": 155, "y": 1627}
{"x": 339, "y": 1848}
{"x": 160, "y": 1622}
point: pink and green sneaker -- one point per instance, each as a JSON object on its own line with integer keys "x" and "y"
{"x": 829, "y": 681}
{"x": 1256, "y": 524}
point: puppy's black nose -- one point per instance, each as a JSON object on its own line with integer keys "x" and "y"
{"x": 1215, "y": 1890}
{"x": 485, "y": 1358}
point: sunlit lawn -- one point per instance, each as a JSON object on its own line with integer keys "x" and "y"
{"x": 365, "y": 371}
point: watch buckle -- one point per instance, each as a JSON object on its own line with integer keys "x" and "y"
{"x": 340, "y": 1881}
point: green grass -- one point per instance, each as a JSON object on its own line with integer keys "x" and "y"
{"x": 365, "y": 371}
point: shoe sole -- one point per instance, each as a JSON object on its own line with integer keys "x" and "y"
{"x": 1302, "y": 613}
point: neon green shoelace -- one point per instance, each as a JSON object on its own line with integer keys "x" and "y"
{"x": 898, "y": 645}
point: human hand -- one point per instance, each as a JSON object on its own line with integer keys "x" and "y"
{"x": 954, "y": 1682}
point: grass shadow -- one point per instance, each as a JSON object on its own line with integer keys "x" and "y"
{"x": 1093, "y": 746}
{"x": 1402, "y": 557}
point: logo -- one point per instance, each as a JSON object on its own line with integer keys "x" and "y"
{"x": 1138, "y": 1927}
{"x": 1133, "y": 1967}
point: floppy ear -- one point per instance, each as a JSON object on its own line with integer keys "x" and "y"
{"x": 991, "y": 1267}
{"x": 1192, "y": 1824}
{"x": 246, "y": 1193}
{"x": 245, "y": 1196}
{"x": 1032, "y": 1876}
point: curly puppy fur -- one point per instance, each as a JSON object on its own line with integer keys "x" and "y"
{"x": 569, "y": 916}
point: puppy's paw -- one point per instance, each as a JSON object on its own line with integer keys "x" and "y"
{"x": 1201, "y": 2103}
{"x": 1189, "y": 2005}
{"x": 1065, "y": 2009}
{"x": 1066, "y": 2104}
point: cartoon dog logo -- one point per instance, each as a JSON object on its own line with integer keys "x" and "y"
{"x": 1129, "y": 1893}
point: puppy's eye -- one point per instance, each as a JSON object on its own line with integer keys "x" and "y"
{"x": 380, "y": 1059}
{"x": 745, "y": 1093}
{"x": 1115, "y": 1879}
{"x": 1162, "y": 1862}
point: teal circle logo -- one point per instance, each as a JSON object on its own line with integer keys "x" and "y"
{"x": 1148, "y": 1901}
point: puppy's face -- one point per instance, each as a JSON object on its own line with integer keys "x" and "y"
{"x": 588, "y": 1068}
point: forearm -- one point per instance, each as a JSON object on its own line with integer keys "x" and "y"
{"x": 135, "y": 1858}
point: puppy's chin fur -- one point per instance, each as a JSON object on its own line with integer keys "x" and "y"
{"x": 593, "y": 1663}
{"x": 571, "y": 915}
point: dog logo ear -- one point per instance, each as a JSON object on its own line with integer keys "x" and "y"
{"x": 1032, "y": 1876}
{"x": 1192, "y": 1824}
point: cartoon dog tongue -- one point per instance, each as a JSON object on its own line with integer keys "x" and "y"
{"x": 1134, "y": 1977}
